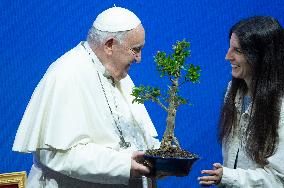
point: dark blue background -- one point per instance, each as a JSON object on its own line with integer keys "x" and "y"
{"x": 35, "y": 33}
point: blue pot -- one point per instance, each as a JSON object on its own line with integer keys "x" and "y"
{"x": 162, "y": 166}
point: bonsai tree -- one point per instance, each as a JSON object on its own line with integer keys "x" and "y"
{"x": 178, "y": 72}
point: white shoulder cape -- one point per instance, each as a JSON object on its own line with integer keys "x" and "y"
{"x": 68, "y": 107}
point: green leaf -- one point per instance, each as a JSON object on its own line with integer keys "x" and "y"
{"x": 144, "y": 93}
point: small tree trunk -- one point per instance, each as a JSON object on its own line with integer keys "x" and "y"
{"x": 169, "y": 137}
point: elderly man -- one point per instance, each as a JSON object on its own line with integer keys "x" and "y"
{"x": 80, "y": 123}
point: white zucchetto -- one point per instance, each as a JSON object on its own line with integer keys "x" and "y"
{"x": 116, "y": 19}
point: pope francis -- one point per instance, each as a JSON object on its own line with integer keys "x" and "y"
{"x": 80, "y": 124}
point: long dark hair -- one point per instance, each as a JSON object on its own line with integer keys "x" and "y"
{"x": 261, "y": 41}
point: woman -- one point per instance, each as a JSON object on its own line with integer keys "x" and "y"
{"x": 252, "y": 118}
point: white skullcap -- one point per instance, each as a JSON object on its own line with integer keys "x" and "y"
{"x": 116, "y": 19}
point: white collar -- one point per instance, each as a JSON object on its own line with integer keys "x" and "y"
{"x": 93, "y": 56}
{"x": 97, "y": 62}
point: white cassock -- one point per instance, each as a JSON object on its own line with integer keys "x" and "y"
{"x": 72, "y": 123}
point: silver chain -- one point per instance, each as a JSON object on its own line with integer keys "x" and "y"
{"x": 122, "y": 142}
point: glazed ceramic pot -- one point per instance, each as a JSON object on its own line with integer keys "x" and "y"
{"x": 162, "y": 166}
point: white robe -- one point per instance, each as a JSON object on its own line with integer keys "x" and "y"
{"x": 70, "y": 129}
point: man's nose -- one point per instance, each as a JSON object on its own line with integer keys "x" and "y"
{"x": 138, "y": 57}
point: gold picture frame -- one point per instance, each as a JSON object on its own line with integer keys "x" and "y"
{"x": 14, "y": 178}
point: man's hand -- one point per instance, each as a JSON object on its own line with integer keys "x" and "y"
{"x": 138, "y": 169}
{"x": 214, "y": 176}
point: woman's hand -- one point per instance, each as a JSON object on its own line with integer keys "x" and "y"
{"x": 213, "y": 176}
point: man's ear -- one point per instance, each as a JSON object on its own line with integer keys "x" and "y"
{"x": 108, "y": 46}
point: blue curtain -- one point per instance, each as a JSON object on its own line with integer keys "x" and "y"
{"x": 35, "y": 33}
